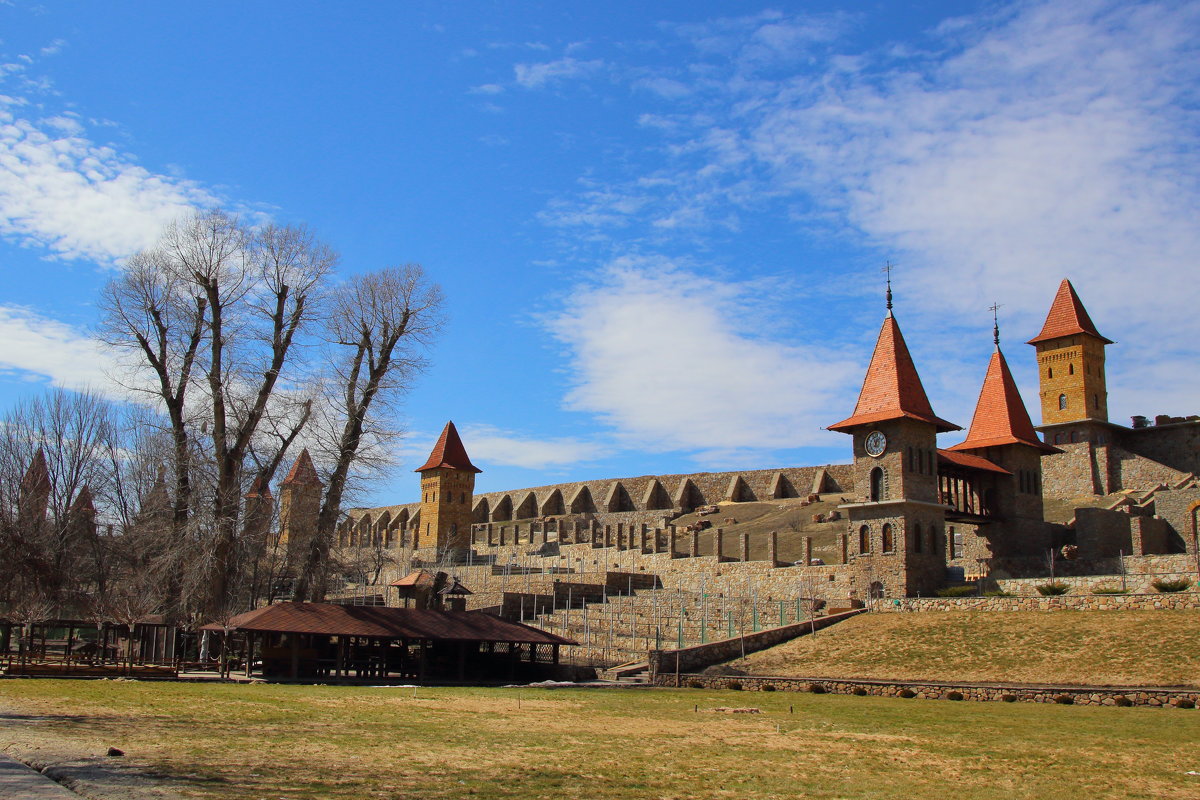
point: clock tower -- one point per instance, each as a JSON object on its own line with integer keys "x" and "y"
{"x": 896, "y": 522}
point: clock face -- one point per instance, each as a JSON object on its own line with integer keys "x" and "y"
{"x": 875, "y": 444}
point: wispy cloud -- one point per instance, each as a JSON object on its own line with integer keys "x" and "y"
{"x": 671, "y": 359}
{"x": 78, "y": 199}
{"x": 991, "y": 157}
{"x": 41, "y": 348}
{"x": 536, "y": 76}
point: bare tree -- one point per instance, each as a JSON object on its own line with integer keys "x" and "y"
{"x": 213, "y": 313}
{"x": 381, "y": 325}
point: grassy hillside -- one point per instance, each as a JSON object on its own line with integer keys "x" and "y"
{"x": 350, "y": 743}
{"x": 1067, "y": 647}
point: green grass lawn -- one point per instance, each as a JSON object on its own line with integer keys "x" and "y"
{"x": 266, "y": 741}
{"x": 1148, "y": 648}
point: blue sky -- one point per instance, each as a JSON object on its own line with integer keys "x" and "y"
{"x": 659, "y": 231}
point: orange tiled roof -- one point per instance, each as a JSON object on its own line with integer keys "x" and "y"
{"x": 892, "y": 388}
{"x": 449, "y": 453}
{"x": 1000, "y": 415}
{"x": 1067, "y": 317}
{"x": 968, "y": 461}
{"x": 303, "y": 470}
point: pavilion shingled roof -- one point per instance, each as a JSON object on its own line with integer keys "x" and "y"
{"x": 892, "y": 388}
{"x": 1067, "y": 317}
{"x": 387, "y": 623}
{"x": 449, "y": 453}
{"x": 1000, "y": 415}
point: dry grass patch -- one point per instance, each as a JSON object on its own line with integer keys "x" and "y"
{"x": 1150, "y": 648}
{"x": 262, "y": 741}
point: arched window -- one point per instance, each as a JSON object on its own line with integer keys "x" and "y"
{"x": 1074, "y": 436}
{"x": 1062, "y": 402}
{"x": 462, "y": 497}
{"x": 877, "y": 488}
{"x": 888, "y": 544}
{"x": 864, "y": 539}
{"x": 918, "y": 545}
{"x": 1059, "y": 438}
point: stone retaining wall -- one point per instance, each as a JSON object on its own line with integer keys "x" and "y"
{"x": 1085, "y": 602}
{"x": 1076, "y": 695}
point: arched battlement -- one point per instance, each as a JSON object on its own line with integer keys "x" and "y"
{"x": 655, "y": 497}
{"x": 503, "y": 512}
{"x": 582, "y": 502}
{"x": 553, "y": 505}
{"x": 618, "y": 499}
{"x": 528, "y": 509}
{"x": 739, "y": 491}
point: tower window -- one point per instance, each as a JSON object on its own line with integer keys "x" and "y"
{"x": 1070, "y": 369}
{"x": 1050, "y": 372}
{"x": 1095, "y": 401}
{"x": 917, "y": 544}
{"x": 1062, "y": 402}
{"x": 888, "y": 544}
{"x": 876, "y": 484}
{"x": 864, "y": 539}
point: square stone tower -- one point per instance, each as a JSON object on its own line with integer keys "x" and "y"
{"x": 447, "y": 493}
{"x": 897, "y": 523}
{"x": 1070, "y": 356}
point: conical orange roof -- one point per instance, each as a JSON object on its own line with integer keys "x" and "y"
{"x": 449, "y": 453}
{"x": 892, "y": 388}
{"x": 37, "y": 476}
{"x": 303, "y": 470}
{"x": 1067, "y": 317}
{"x": 83, "y": 501}
{"x": 1000, "y": 415}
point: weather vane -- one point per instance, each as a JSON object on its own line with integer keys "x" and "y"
{"x": 995, "y": 309}
{"x": 888, "y": 266}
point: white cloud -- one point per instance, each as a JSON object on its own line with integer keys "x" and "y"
{"x": 78, "y": 199}
{"x": 535, "y": 76}
{"x": 676, "y": 361}
{"x": 38, "y": 347}
{"x": 492, "y": 445}
{"x": 487, "y": 88}
{"x": 489, "y": 445}
{"x": 991, "y": 157}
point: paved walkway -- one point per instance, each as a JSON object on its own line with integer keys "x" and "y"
{"x": 19, "y": 781}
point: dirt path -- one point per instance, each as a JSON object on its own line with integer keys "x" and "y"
{"x": 83, "y": 767}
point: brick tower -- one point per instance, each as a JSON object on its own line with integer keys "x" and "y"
{"x": 1070, "y": 356}
{"x": 1002, "y": 433}
{"x": 299, "y": 504}
{"x": 897, "y": 521}
{"x": 447, "y": 492}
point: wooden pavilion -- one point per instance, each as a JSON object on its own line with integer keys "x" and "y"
{"x": 318, "y": 641}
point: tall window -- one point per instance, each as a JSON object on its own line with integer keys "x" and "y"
{"x": 876, "y": 484}
{"x": 954, "y": 541}
{"x": 918, "y": 545}
{"x": 1070, "y": 369}
{"x": 1062, "y": 402}
{"x": 864, "y": 539}
{"x": 888, "y": 544}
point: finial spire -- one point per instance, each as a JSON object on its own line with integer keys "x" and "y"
{"x": 887, "y": 267}
{"x": 995, "y": 309}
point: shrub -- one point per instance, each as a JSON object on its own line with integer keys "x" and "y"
{"x": 997, "y": 593}
{"x": 1052, "y": 589}
{"x": 1184, "y": 703}
{"x": 1109, "y": 590}
{"x": 906, "y": 693}
{"x": 954, "y": 695}
{"x": 1008, "y": 698}
{"x": 956, "y": 591}
{"x": 735, "y": 685}
{"x": 816, "y": 688}
{"x": 768, "y": 688}
{"x": 1065, "y": 700}
{"x": 1171, "y": 586}
{"x": 860, "y": 691}
{"x": 1123, "y": 702}
{"x": 696, "y": 684}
